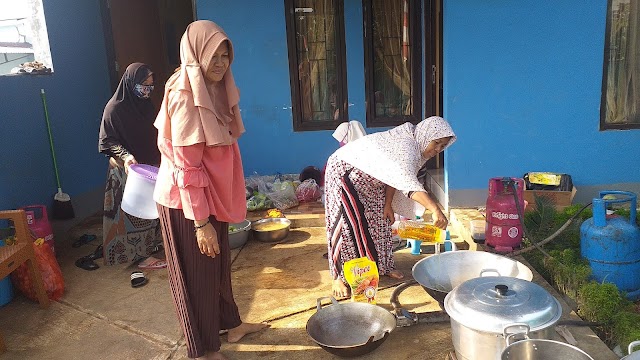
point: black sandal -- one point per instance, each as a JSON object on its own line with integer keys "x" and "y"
{"x": 86, "y": 263}
{"x": 97, "y": 254}
{"x": 84, "y": 239}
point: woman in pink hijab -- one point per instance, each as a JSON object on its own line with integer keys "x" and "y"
{"x": 200, "y": 188}
{"x": 369, "y": 180}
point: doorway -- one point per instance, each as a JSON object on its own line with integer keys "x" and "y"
{"x": 146, "y": 31}
{"x": 433, "y": 170}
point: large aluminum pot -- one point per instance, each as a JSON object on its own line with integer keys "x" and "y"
{"x": 540, "y": 349}
{"x": 350, "y": 329}
{"x": 485, "y": 310}
{"x": 441, "y": 273}
{"x": 633, "y": 355}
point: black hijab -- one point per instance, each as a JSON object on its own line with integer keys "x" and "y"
{"x": 128, "y": 119}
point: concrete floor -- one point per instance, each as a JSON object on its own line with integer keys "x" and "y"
{"x": 102, "y": 317}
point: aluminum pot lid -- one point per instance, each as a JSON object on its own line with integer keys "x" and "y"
{"x": 490, "y": 303}
{"x": 634, "y": 351}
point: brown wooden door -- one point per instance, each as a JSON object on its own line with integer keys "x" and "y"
{"x": 137, "y": 37}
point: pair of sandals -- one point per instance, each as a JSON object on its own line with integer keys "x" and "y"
{"x": 88, "y": 262}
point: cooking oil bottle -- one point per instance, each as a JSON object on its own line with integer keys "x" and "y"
{"x": 420, "y": 230}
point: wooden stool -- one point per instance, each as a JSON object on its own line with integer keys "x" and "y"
{"x": 12, "y": 256}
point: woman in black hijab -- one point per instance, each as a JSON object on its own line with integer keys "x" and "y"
{"x": 127, "y": 136}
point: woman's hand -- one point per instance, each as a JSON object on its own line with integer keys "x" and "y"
{"x": 389, "y": 191}
{"x": 130, "y": 160}
{"x": 439, "y": 220}
{"x": 207, "y": 238}
{"x": 388, "y": 214}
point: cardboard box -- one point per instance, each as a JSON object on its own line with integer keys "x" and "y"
{"x": 561, "y": 199}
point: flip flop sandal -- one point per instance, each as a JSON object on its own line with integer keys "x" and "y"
{"x": 158, "y": 247}
{"x": 84, "y": 239}
{"x": 97, "y": 254}
{"x": 86, "y": 263}
{"x": 138, "y": 279}
{"x": 155, "y": 264}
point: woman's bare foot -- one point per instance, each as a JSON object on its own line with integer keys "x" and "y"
{"x": 395, "y": 274}
{"x": 216, "y": 356}
{"x": 213, "y": 356}
{"x": 238, "y": 332}
{"x": 340, "y": 289}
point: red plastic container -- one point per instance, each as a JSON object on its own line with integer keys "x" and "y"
{"x": 504, "y": 230}
{"x": 38, "y": 222}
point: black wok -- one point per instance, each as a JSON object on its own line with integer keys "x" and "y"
{"x": 350, "y": 329}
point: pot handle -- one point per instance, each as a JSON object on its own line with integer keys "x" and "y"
{"x": 632, "y": 345}
{"x": 372, "y": 338}
{"x": 319, "y": 301}
{"x": 489, "y": 271}
{"x": 522, "y": 329}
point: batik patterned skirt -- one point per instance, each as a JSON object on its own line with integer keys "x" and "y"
{"x": 125, "y": 237}
{"x": 354, "y": 213}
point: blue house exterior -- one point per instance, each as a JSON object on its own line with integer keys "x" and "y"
{"x": 522, "y": 89}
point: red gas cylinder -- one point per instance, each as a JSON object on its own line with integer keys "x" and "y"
{"x": 38, "y": 222}
{"x": 504, "y": 230}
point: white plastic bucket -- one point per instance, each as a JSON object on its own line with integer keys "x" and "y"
{"x": 137, "y": 199}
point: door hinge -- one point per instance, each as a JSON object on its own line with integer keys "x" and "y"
{"x": 433, "y": 74}
{"x": 108, "y": 4}
{"x": 117, "y": 66}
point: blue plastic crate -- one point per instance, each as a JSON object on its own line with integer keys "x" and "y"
{"x": 6, "y": 289}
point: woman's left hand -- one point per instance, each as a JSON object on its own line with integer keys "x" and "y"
{"x": 388, "y": 214}
{"x": 207, "y": 238}
{"x": 130, "y": 160}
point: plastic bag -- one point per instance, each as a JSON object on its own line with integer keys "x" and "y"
{"x": 362, "y": 276}
{"x": 308, "y": 190}
{"x": 283, "y": 195}
{"x": 51, "y": 274}
{"x": 257, "y": 183}
{"x": 258, "y": 201}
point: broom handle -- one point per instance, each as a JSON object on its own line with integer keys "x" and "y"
{"x": 53, "y": 153}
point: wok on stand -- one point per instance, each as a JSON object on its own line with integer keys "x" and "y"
{"x": 350, "y": 329}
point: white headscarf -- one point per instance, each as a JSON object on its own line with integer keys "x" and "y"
{"x": 395, "y": 156}
{"x": 349, "y": 132}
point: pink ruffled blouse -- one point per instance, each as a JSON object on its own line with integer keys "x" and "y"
{"x": 202, "y": 180}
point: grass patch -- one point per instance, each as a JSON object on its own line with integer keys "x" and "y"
{"x": 570, "y": 274}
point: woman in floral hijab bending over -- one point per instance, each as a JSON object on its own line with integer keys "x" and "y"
{"x": 369, "y": 180}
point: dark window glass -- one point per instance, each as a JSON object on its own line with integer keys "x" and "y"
{"x": 315, "y": 37}
{"x": 392, "y": 61}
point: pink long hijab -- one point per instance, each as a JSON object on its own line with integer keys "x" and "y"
{"x": 211, "y": 114}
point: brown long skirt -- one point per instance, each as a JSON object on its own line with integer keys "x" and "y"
{"x": 200, "y": 285}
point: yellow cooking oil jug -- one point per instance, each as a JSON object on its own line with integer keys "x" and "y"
{"x": 420, "y": 230}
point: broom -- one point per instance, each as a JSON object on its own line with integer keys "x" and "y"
{"x": 62, "y": 207}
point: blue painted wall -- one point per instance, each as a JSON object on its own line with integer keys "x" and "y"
{"x": 76, "y": 94}
{"x": 522, "y": 91}
{"x": 261, "y": 69}
{"x": 522, "y": 83}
